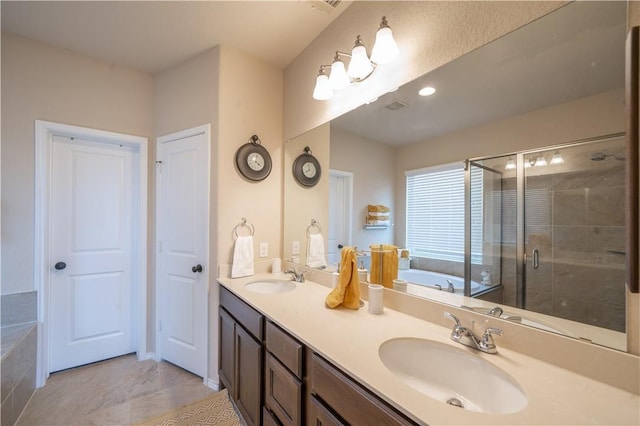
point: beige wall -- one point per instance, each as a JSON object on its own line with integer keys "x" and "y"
{"x": 429, "y": 34}
{"x": 372, "y": 165}
{"x": 40, "y": 82}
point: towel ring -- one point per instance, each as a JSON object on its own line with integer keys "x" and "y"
{"x": 243, "y": 224}
{"x": 314, "y": 224}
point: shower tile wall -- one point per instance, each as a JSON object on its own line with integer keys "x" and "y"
{"x": 576, "y": 221}
{"x": 588, "y": 245}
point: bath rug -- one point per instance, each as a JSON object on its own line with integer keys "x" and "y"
{"x": 215, "y": 410}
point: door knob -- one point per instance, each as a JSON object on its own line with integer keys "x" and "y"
{"x": 197, "y": 268}
{"x": 340, "y": 246}
{"x": 60, "y": 266}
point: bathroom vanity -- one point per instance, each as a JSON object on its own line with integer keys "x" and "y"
{"x": 307, "y": 364}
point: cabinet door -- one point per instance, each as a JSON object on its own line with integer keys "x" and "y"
{"x": 282, "y": 392}
{"x": 249, "y": 374}
{"x": 320, "y": 415}
{"x": 227, "y": 352}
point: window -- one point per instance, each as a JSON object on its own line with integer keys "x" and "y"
{"x": 435, "y": 213}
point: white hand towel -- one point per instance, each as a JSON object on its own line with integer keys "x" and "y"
{"x": 242, "y": 265}
{"x": 315, "y": 251}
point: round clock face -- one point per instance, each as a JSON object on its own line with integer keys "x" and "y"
{"x": 253, "y": 161}
{"x": 309, "y": 169}
{"x": 306, "y": 170}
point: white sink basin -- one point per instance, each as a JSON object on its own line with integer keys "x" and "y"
{"x": 270, "y": 286}
{"x": 452, "y": 375}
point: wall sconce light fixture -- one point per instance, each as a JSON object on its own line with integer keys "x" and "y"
{"x": 384, "y": 51}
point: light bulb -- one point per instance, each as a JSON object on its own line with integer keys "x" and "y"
{"x": 322, "y": 91}
{"x": 338, "y": 77}
{"x": 427, "y": 91}
{"x": 360, "y": 66}
{"x": 556, "y": 159}
{"x": 385, "y": 49}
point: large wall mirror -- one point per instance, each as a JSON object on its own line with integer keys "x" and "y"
{"x": 540, "y": 116}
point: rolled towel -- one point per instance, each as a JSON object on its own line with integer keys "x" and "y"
{"x": 347, "y": 292}
{"x": 242, "y": 264}
{"x": 378, "y": 208}
{"x": 315, "y": 251}
{"x": 372, "y": 218}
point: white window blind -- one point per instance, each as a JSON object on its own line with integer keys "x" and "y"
{"x": 435, "y": 213}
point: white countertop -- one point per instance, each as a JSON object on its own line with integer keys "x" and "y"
{"x": 350, "y": 339}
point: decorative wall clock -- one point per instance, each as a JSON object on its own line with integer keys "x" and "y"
{"x": 306, "y": 169}
{"x": 253, "y": 160}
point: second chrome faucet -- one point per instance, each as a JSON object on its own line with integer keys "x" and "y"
{"x": 467, "y": 337}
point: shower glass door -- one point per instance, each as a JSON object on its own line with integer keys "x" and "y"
{"x": 574, "y": 233}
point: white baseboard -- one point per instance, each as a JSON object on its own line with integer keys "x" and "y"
{"x": 213, "y": 384}
{"x": 148, "y": 355}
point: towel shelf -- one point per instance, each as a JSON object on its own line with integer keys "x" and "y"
{"x": 376, "y": 226}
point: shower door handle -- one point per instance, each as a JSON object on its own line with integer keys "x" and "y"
{"x": 536, "y": 259}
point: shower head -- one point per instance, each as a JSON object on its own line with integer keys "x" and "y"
{"x": 599, "y": 156}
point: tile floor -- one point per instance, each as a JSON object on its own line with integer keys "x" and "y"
{"x": 119, "y": 391}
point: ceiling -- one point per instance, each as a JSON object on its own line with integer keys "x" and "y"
{"x": 574, "y": 52}
{"x": 154, "y": 35}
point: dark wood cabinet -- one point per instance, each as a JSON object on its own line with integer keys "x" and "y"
{"x": 319, "y": 415}
{"x": 274, "y": 380}
{"x": 248, "y": 373}
{"x": 283, "y": 373}
{"x": 349, "y": 400}
{"x": 240, "y": 365}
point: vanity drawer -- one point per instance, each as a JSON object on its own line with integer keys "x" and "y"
{"x": 250, "y": 319}
{"x": 320, "y": 415}
{"x": 348, "y": 399}
{"x": 284, "y": 347}
{"x": 282, "y": 392}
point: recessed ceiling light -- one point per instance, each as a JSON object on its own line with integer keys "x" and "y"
{"x": 427, "y": 91}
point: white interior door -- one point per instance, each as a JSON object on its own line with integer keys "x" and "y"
{"x": 92, "y": 234}
{"x": 339, "y": 234}
{"x": 183, "y": 249}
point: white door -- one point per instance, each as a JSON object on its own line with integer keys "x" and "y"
{"x": 183, "y": 248}
{"x": 92, "y": 234}
{"x": 339, "y": 214}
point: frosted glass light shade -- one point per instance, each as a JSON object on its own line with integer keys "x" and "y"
{"x": 338, "y": 77}
{"x": 360, "y": 65}
{"x": 556, "y": 159}
{"x": 510, "y": 164}
{"x": 323, "y": 90}
{"x": 385, "y": 49}
{"x": 540, "y": 161}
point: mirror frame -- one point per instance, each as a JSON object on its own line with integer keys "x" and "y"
{"x": 632, "y": 175}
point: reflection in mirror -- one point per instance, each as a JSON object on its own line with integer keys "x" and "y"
{"x": 557, "y": 80}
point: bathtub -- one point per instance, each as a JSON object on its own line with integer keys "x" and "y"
{"x": 434, "y": 279}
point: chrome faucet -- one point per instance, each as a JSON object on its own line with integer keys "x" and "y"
{"x": 450, "y": 287}
{"x": 495, "y": 312}
{"x": 295, "y": 275}
{"x": 467, "y": 337}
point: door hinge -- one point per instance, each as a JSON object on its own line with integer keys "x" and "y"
{"x": 159, "y": 246}
{"x": 159, "y": 166}
{"x": 159, "y": 325}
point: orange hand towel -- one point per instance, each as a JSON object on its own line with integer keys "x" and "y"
{"x": 384, "y": 264}
{"x": 378, "y": 208}
{"x": 347, "y": 292}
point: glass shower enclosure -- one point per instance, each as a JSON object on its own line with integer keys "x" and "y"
{"x": 545, "y": 231}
